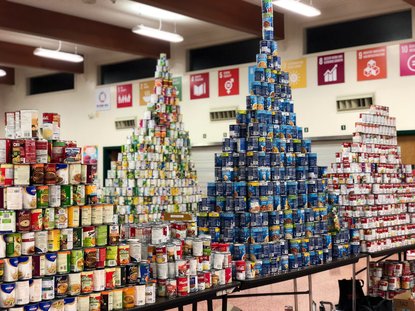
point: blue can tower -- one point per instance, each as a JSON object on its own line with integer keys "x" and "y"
{"x": 269, "y": 200}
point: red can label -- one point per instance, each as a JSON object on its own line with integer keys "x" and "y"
{"x": 182, "y": 286}
{"x": 101, "y": 256}
{"x": 208, "y": 279}
{"x": 36, "y": 219}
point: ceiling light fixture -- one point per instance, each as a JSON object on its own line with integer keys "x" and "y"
{"x": 157, "y": 33}
{"x": 58, "y": 54}
{"x": 298, "y": 7}
{"x": 2, "y": 73}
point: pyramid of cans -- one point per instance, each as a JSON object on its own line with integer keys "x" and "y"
{"x": 54, "y": 237}
{"x": 373, "y": 191}
{"x": 153, "y": 177}
{"x": 268, "y": 201}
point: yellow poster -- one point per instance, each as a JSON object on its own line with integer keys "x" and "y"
{"x": 298, "y": 72}
{"x": 146, "y": 88}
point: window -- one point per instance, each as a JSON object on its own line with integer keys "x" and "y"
{"x": 370, "y": 30}
{"x": 223, "y": 55}
{"x": 51, "y": 83}
{"x": 127, "y": 71}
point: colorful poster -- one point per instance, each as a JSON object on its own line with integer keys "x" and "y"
{"x": 330, "y": 69}
{"x": 251, "y": 75}
{"x": 297, "y": 69}
{"x": 371, "y": 64}
{"x": 407, "y": 57}
{"x": 103, "y": 99}
{"x": 228, "y": 82}
{"x": 146, "y": 89}
{"x": 199, "y": 85}
{"x": 124, "y": 95}
{"x": 177, "y": 83}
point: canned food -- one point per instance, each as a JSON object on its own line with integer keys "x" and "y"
{"x": 87, "y": 278}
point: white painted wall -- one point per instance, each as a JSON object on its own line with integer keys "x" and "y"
{"x": 315, "y": 106}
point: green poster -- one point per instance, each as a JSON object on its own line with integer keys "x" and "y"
{"x": 177, "y": 83}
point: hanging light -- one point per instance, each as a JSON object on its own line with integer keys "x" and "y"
{"x": 58, "y": 54}
{"x": 2, "y": 73}
{"x": 157, "y": 33}
{"x": 298, "y": 7}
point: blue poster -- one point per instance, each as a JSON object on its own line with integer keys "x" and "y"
{"x": 251, "y": 75}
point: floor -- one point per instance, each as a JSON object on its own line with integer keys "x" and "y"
{"x": 325, "y": 288}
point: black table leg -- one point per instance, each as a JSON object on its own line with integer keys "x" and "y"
{"x": 224, "y": 303}
{"x": 194, "y": 306}
{"x": 180, "y": 308}
{"x": 209, "y": 305}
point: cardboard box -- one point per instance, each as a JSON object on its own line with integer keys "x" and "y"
{"x": 403, "y": 302}
{"x": 51, "y": 128}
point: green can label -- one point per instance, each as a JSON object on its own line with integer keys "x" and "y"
{"x": 79, "y": 194}
{"x": 42, "y": 196}
{"x": 77, "y": 260}
{"x": 49, "y": 218}
{"x": 13, "y": 244}
{"x": 102, "y": 235}
{"x": 66, "y": 195}
{"x": 112, "y": 253}
{"x": 77, "y": 237}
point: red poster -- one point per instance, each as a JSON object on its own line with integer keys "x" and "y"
{"x": 124, "y": 95}
{"x": 228, "y": 82}
{"x": 371, "y": 64}
{"x": 330, "y": 69}
{"x": 199, "y": 85}
{"x": 407, "y": 53}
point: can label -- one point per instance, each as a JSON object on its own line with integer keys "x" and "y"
{"x": 77, "y": 260}
{"x": 102, "y": 234}
{"x": 42, "y": 196}
{"x": 88, "y": 236}
{"x": 63, "y": 262}
{"x": 90, "y": 258}
{"x": 61, "y": 285}
{"x": 74, "y": 284}
{"x": 87, "y": 282}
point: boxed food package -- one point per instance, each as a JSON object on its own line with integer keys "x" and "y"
{"x": 51, "y": 126}
{"x": 10, "y": 125}
{"x": 29, "y": 124}
{"x": 404, "y": 302}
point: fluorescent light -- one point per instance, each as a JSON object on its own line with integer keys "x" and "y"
{"x": 298, "y": 7}
{"x": 151, "y": 11}
{"x": 2, "y": 73}
{"x": 157, "y": 33}
{"x": 59, "y": 55}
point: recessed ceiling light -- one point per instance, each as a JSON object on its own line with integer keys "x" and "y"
{"x": 2, "y": 73}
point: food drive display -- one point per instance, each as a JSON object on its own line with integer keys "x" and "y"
{"x": 154, "y": 190}
{"x": 373, "y": 191}
{"x": 269, "y": 200}
{"x": 58, "y": 247}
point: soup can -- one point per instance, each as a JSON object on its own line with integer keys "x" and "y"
{"x": 128, "y": 297}
{"x": 22, "y": 290}
{"x": 74, "y": 281}
{"x": 61, "y": 285}
{"x": 171, "y": 288}
{"x": 25, "y": 267}
{"x": 87, "y": 282}
{"x": 77, "y": 260}
{"x": 150, "y": 291}
{"x": 35, "y": 290}
{"x": 140, "y": 295}
{"x": 95, "y": 302}
{"x": 11, "y": 270}
{"x": 99, "y": 280}
{"x": 41, "y": 242}
{"x": 48, "y": 288}
{"x": 7, "y": 295}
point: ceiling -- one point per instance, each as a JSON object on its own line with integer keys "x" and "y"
{"x": 128, "y": 13}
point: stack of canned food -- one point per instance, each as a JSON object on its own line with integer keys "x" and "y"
{"x": 269, "y": 198}
{"x": 373, "y": 191}
{"x": 175, "y": 262}
{"x": 153, "y": 174}
{"x": 389, "y": 278}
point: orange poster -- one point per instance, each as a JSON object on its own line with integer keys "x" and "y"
{"x": 371, "y": 64}
{"x": 146, "y": 88}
